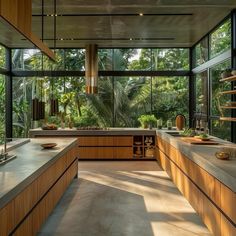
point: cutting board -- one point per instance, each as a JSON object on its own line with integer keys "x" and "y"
{"x": 197, "y": 141}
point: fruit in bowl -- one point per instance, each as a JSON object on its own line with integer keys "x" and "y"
{"x": 204, "y": 137}
{"x": 49, "y": 127}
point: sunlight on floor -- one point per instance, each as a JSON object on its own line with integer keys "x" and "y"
{"x": 125, "y": 198}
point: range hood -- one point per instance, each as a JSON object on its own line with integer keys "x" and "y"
{"x": 15, "y": 26}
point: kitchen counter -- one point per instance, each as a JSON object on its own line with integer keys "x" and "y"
{"x": 106, "y": 132}
{"x": 31, "y": 161}
{"x": 204, "y": 156}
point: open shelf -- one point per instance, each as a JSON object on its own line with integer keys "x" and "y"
{"x": 144, "y": 146}
{"x": 228, "y": 79}
{"x": 228, "y": 92}
{"x": 227, "y": 118}
{"x": 228, "y": 107}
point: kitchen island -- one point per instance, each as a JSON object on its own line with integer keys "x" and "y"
{"x": 32, "y": 183}
{"x": 208, "y": 183}
{"x": 111, "y": 143}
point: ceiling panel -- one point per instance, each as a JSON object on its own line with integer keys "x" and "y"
{"x": 112, "y": 23}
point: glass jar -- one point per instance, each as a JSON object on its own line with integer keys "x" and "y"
{"x": 169, "y": 124}
{"x": 159, "y": 124}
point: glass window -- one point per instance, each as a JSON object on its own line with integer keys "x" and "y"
{"x": 132, "y": 98}
{"x": 220, "y": 39}
{"x": 201, "y": 52}
{"x": 98, "y": 109}
{"x": 105, "y": 59}
{"x": 75, "y": 59}
{"x": 170, "y": 97}
{"x": 2, "y": 107}
{"x": 170, "y": 59}
{"x": 22, "y": 96}
{"x": 31, "y": 60}
{"x": 132, "y": 59}
{"x": 26, "y": 59}
{"x": 220, "y": 128}
{"x": 217, "y": 99}
{"x": 69, "y": 91}
{"x": 2, "y": 57}
{"x": 201, "y": 93}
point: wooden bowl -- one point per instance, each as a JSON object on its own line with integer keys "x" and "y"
{"x": 48, "y": 145}
{"x": 222, "y": 155}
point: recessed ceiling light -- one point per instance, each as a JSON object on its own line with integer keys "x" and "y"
{"x": 141, "y": 14}
{"x": 130, "y": 39}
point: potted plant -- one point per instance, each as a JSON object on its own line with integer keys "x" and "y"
{"x": 147, "y": 121}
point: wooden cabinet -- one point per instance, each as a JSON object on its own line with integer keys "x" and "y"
{"x": 116, "y": 147}
{"x": 213, "y": 201}
{"x": 25, "y": 214}
{"x": 105, "y": 147}
{"x": 144, "y": 147}
{"x": 7, "y": 221}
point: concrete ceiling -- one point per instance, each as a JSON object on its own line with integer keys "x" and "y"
{"x": 117, "y": 23}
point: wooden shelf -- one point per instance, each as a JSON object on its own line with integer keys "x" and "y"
{"x": 228, "y": 79}
{"x": 227, "y": 119}
{"x": 228, "y": 107}
{"x": 228, "y": 92}
{"x": 143, "y": 146}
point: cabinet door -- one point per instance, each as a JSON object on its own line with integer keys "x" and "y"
{"x": 95, "y": 153}
{"x": 87, "y": 152}
{"x": 7, "y": 219}
{"x": 105, "y": 153}
{"x": 105, "y": 141}
{"x": 85, "y": 141}
{"x": 228, "y": 202}
{"x": 123, "y": 140}
{"x": 123, "y": 152}
{"x": 25, "y": 201}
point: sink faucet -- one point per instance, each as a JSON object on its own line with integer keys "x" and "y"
{"x": 4, "y": 156}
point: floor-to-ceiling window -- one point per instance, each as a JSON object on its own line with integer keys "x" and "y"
{"x": 211, "y": 57}
{"x": 121, "y": 99}
{"x": 2, "y": 91}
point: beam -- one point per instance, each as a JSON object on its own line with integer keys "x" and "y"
{"x": 18, "y": 16}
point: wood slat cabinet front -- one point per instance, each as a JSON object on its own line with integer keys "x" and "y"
{"x": 25, "y": 214}
{"x": 33, "y": 222}
{"x": 204, "y": 192}
{"x": 7, "y": 221}
{"x": 105, "y": 147}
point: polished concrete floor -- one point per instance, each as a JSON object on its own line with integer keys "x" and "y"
{"x": 123, "y": 199}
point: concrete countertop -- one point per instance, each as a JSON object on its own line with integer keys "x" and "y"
{"x": 204, "y": 156}
{"x": 105, "y": 132}
{"x": 31, "y": 161}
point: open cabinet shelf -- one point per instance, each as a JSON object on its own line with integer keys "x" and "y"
{"x": 144, "y": 147}
{"x": 227, "y": 118}
{"x": 228, "y": 79}
{"x": 228, "y": 107}
{"x": 228, "y": 92}
{"x": 232, "y": 104}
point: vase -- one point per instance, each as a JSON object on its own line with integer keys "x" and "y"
{"x": 180, "y": 122}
